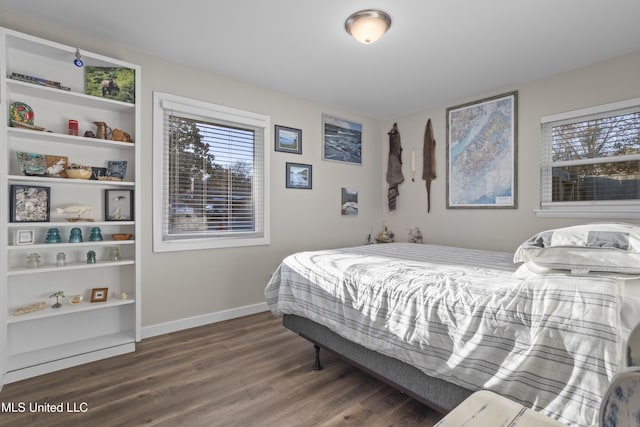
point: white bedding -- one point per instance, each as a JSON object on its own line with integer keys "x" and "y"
{"x": 551, "y": 342}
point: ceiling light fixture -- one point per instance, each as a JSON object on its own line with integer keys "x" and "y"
{"x": 367, "y": 26}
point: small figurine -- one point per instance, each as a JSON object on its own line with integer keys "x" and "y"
{"x": 77, "y": 211}
{"x": 75, "y": 236}
{"x": 91, "y": 257}
{"x": 34, "y": 260}
{"x": 417, "y": 236}
{"x": 61, "y": 259}
{"x": 57, "y": 295}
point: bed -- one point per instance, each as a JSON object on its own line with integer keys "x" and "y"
{"x": 438, "y": 322}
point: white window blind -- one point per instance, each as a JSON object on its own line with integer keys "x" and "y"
{"x": 591, "y": 161}
{"x": 212, "y": 171}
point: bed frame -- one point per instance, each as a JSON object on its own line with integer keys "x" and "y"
{"x": 434, "y": 392}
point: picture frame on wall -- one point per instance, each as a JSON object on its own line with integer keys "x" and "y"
{"x": 299, "y": 176}
{"x": 349, "y": 201}
{"x": 29, "y": 203}
{"x": 288, "y": 140}
{"x": 341, "y": 140}
{"x": 482, "y": 136}
{"x": 118, "y": 205}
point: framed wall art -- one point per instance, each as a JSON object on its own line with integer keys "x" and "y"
{"x": 349, "y": 201}
{"x": 299, "y": 176}
{"x": 341, "y": 140}
{"x": 99, "y": 294}
{"x": 288, "y": 140}
{"x": 482, "y": 156}
{"x": 29, "y": 203}
{"x": 118, "y": 205}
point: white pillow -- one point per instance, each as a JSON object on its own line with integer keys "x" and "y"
{"x": 610, "y": 247}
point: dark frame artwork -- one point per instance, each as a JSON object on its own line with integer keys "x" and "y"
{"x": 482, "y": 136}
{"x": 30, "y": 203}
{"x": 341, "y": 140}
{"x": 299, "y": 176}
{"x": 288, "y": 140}
{"x": 118, "y": 205}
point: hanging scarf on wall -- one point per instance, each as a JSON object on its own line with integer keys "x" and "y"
{"x": 394, "y": 166}
{"x": 429, "y": 160}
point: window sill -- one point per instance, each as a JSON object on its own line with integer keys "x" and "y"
{"x": 615, "y": 214}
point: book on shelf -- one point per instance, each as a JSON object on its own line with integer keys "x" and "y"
{"x": 38, "y": 81}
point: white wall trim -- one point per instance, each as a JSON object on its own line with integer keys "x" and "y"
{"x": 204, "y": 319}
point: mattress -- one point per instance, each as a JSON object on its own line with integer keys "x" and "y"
{"x": 551, "y": 342}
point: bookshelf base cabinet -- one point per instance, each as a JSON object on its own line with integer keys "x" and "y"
{"x": 69, "y": 283}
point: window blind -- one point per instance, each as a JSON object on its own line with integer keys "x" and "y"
{"x": 591, "y": 159}
{"x": 213, "y": 174}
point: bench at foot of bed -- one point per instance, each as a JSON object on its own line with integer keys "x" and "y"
{"x": 485, "y": 408}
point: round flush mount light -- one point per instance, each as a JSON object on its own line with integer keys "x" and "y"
{"x": 367, "y": 26}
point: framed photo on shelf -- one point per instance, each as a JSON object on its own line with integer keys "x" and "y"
{"x": 29, "y": 203}
{"x": 116, "y": 83}
{"x": 24, "y": 237}
{"x": 118, "y": 205}
{"x": 341, "y": 140}
{"x": 299, "y": 175}
{"x": 288, "y": 140}
{"x": 99, "y": 294}
{"x": 482, "y": 136}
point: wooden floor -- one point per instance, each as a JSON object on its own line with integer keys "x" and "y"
{"x": 243, "y": 372}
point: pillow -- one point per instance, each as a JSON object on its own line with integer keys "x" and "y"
{"x": 609, "y": 247}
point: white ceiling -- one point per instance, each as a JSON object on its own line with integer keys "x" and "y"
{"x": 436, "y": 53}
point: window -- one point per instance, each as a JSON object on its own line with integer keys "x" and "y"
{"x": 591, "y": 162}
{"x": 210, "y": 175}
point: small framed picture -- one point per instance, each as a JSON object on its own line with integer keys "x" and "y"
{"x": 111, "y": 82}
{"x": 29, "y": 203}
{"x": 99, "y": 294}
{"x": 24, "y": 237}
{"x": 299, "y": 176}
{"x": 118, "y": 205}
{"x": 288, "y": 140}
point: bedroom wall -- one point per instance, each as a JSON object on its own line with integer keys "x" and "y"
{"x": 182, "y": 289}
{"x": 501, "y": 229}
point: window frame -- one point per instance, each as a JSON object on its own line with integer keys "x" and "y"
{"x": 595, "y": 209}
{"x": 208, "y": 112}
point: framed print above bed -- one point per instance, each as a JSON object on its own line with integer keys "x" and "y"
{"x": 482, "y": 152}
{"x": 341, "y": 140}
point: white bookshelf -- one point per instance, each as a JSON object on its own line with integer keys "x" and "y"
{"x": 56, "y": 338}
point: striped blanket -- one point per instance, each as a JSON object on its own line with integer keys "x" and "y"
{"x": 550, "y": 342}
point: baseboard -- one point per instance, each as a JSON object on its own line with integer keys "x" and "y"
{"x": 205, "y": 319}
